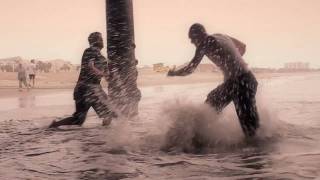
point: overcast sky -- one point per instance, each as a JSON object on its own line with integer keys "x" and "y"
{"x": 275, "y": 31}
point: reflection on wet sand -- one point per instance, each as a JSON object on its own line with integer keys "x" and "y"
{"x": 27, "y": 100}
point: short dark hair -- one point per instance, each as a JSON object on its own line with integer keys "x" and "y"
{"x": 196, "y": 30}
{"x": 93, "y": 37}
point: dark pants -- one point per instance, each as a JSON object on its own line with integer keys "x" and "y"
{"x": 87, "y": 96}
{"x": 241, "y": 91}
{"x": 32, "y": 76}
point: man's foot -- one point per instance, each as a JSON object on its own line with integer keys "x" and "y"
{"x": 113, "y": 115}
{"x": 53, "y": 124}
{"x": 107, "y": 121}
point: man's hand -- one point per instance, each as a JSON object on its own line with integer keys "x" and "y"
{"x": 171, "y": 72}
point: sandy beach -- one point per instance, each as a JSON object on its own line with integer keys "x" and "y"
{"x": 55, "y": 82}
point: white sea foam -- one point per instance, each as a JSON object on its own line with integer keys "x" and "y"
{"x": 192, "y": 125}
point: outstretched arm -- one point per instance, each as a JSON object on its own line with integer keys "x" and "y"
{"x": 240, "y": 45}
{"x": 190, "y": 67}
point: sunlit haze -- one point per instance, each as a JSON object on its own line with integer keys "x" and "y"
{"x": 275, "y": 32}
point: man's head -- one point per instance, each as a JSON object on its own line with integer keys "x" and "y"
{"x": 32, "y": 61}
{"x": 95, "y": 40}
{"x": 197, "y": 33}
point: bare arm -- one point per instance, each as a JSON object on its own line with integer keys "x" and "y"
{"x": 95, "y": 70}
{"x": 190, "y": 67}
{"x": 240, "y": 45}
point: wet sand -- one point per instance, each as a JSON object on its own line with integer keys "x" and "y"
{"x": 47, "y": 83}
{"x": 287, "y": 147}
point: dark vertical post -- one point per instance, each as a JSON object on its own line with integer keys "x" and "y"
{"x": 123, "y": 90}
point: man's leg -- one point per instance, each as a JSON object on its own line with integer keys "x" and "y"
{"x": 20, "y": 84}
{"x": 33, "y": 79}
{"x": 25, "y": 83}
{"x": 220, "y": 97}
{"x": 30, "y": 78}
{"x": 77, "y": 118}
{"x": 245, "y": 104}
{"x": 99, "y": 101}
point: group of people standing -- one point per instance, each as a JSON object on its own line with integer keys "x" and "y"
{"x": 26, "y": 75}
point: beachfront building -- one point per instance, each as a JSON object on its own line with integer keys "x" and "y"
{"x": 296, "y": 66}
{"x": 203, "y": 67}
{"x": 159, "y": 67}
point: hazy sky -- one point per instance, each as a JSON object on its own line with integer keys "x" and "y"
{"x": 275, "y": 31}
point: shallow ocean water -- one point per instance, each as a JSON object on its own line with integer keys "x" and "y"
{"x": 157, "y": 144}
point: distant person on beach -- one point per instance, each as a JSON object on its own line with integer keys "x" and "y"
{"x": 239, "y": 86}
{"x": 22, "y": 76}
{"x": 32, "y": 72}
{"x": 88, "y": 91}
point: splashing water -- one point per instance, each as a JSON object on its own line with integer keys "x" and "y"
{"x": 192, "y": 127}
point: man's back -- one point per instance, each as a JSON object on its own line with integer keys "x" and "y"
{"x": 223, "y": 52}
{"x": 32, "y": 68}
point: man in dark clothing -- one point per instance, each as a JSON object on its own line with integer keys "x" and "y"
{"x": 239, "y": 84}
{"x": 88, "y": 91}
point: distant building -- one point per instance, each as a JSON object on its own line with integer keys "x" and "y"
{"x": 263, "y": 70}
{"x": 9, "y": 64}
{"x": 296, "y": 66}
{"x": 11, "y": 60}
{"x": 57, "y": 65}
{"x": 204, "y": 67}
{"x": 159, "y": 67}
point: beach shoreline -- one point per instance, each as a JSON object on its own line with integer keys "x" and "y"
{"x": 47, "y": 83}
